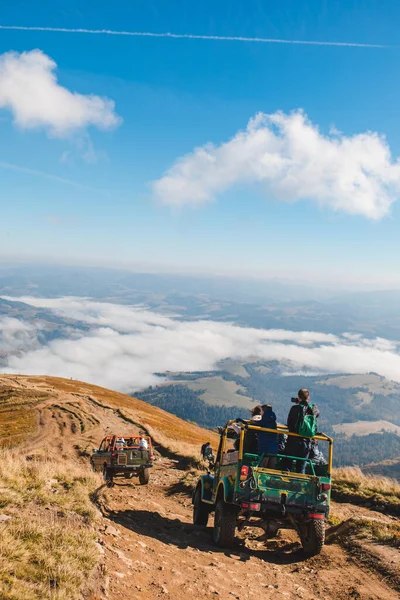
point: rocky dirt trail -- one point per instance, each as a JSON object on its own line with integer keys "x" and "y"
{"x": 152, "y": 550}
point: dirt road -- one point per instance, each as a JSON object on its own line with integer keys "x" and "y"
{"x": 150, "y": 547}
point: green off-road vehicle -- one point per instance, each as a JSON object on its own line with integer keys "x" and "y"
{"x": 242, "y": 493}
{"x": 124, "y": 456}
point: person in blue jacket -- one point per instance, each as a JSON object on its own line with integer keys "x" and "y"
{"x": 268, "y": 441}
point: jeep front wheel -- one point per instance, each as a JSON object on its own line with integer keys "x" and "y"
{"x": 200, "y": 509}
{"x": 312, "y": 536}
{"x": 224, "y": 524}
{"x": 144, "y": 476}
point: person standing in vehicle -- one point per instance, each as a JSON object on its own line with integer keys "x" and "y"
{"x": 143, "y": 444}
{"x": 268, "y": 441}
{"x": 250, "y": 439}
{"x": 299, "y": 446}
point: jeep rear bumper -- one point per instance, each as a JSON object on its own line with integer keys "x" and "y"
{"x": 129, "y": 468}
{"x": 276, "y": 506}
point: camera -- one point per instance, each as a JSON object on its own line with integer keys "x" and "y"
{"x": 294, "y": 400}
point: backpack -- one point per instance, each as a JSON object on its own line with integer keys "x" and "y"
{"x": 307, "y": 424}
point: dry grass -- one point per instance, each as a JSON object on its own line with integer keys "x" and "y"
{"x": 350, "y": 484}
{"x": 373, "y": 530}
{"x": 167, "y": 429}
{"x": 355, "y": 479}
{"x": 382, "y": 533}
{"x": 17, "y": 414}
{"x": 47, "y": 546}
{"x": 171, "y": 432}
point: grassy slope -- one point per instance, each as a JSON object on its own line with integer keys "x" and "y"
{"x": 17, "y": 413}
{"x": 47, "y": 546}
{"x": 47, "y": 543}
{"x": 47, "y": 519}
{"x": 350, "y": 484}
{"x": 166, "y": 429}
{"x": 359, "y": 428}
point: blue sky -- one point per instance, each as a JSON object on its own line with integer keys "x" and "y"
{"x": 174, "y": 95}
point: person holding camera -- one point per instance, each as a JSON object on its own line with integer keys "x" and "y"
{"x": 301, "y": 414}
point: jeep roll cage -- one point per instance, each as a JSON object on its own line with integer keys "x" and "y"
{"x": 281, "y": 429}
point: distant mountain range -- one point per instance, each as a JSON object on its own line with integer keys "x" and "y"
{"x": 361, "y": 411}
{"x": 269, "y": 304}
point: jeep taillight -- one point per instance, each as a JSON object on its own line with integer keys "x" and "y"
{"x": 244, "y": 473}
{"x": 151, "y": 456}
{"x": 325, "y": 487}
{"x": 114, "y": 454}
{"x": 251, "y": 505}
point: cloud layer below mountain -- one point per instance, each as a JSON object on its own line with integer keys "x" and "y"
{"x": 127, "y": 345}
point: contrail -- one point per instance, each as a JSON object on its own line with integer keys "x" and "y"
{"x": 35, "y": 173}
{"x": 189, "y": 36}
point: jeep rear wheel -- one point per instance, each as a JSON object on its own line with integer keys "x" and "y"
{"x": 224, "y": 524}
{"x": 200, "y": 509}
{"x": 312, "y": 536}
{"x": 107, "y": 476}
{"x": 144, "y": 476}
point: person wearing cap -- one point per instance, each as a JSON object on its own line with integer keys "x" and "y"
{"x": 250, "y": 445}
{"x": 251, "y": 437}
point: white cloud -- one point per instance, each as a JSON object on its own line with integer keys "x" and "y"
{"x": 29, "y": 89}
{"x": 291, "y": 160}
{"x": 16, "y": 335}
{"x": 126, "y": 345}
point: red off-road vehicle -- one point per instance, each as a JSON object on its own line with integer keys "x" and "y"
{"x": 124, "y": 456}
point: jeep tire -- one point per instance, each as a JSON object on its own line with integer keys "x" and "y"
{"x": 108, "y": 477}
{"x": 312, "y": 536}
{"x": 201, "y": 511}
{"x": 224, "y": 524}
{"x": 144, "y": 476}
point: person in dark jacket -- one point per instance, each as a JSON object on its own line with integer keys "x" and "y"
{"x": 206, "y": 450}
{"x": 268, "y": 441}
{"x": 299, "y": 447}
{"x": 250, "y": 444}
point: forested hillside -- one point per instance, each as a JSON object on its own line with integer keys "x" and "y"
{"x": 341, "y": 399}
